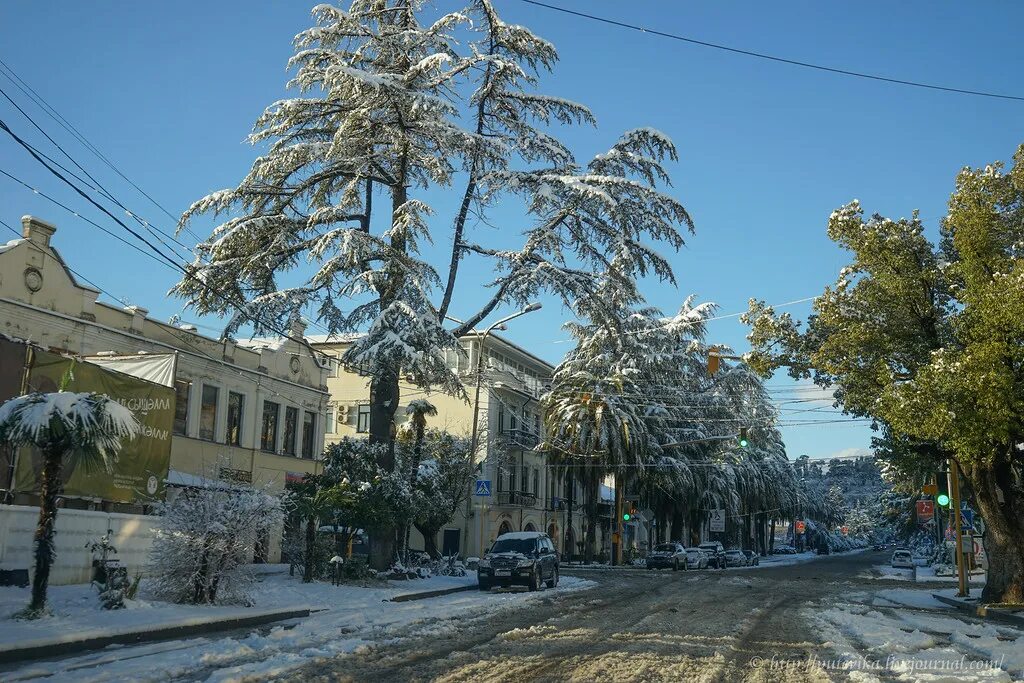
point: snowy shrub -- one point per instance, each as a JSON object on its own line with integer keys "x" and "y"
{"x": 110, "y": 578}
{"x": 206, "y": 536}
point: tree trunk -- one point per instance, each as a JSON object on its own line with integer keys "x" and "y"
{"x": 307, "y": 570}
{"x": 771, "y": 538}
{"x": 662, "y": 523}
{"x": 593, "y": 493}
{"x": 53, "y": 463}
{"x": 1000, "y": 497}
{"x": 677, "y": 525}
{"x": 429, "y": 540}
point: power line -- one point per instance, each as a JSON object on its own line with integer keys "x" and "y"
{"x": 50, "y": 111}
{"x": 87, "y": 220}
{"x": 170, "y": 329}
{"x": 774, "y": 58}
{"x": 163, "y": 258}
{"x": 96, "y": 185}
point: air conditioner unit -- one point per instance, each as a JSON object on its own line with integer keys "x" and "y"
{"x": 343, "y": 411}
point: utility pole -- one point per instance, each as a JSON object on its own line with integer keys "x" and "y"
{"x": 954, "y": 493}
{"x": 475, "y": 434}
{"x": 617, "y": 536}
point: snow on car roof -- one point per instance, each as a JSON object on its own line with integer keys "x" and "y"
{"x": 521, "y": 535}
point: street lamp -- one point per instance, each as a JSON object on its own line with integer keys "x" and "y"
{"x": 474, "y": 436}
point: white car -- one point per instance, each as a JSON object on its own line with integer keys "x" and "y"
{"x": 696, "y": 558}
{"x": 902, "y": 559}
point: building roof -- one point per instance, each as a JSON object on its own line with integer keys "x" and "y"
{"x": 348, "y": 338}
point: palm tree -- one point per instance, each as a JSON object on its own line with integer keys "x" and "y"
{"x": 418, "y": 410}
{"x": 65, "y": 426}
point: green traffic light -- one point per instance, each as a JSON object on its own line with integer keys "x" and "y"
{"x": 743, "y": 443}
{"x": 942, "y": 500}
{"x": 625, "y": 517}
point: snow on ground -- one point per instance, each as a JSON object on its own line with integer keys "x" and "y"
{"x": 75, "y": 609}
{"x": 928, "y": 574}
{"x": 352, "y": 618}
{"x": 884, "y": 571}
{"x": 798, "y": 558}
{"x": 905, "y": 634}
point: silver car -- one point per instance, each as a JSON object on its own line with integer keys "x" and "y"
{"x": 697, "y": 558}
{"x": 902, "y": 559}
{"x": 735, "y": 558}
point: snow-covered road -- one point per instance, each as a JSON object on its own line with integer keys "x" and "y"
{"x": 812, "y": 621}
{"x": 757, "y": 624}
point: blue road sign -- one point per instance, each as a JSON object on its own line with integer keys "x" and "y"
{"x": 967, "y": 518}
{"x": 483, "y": 487}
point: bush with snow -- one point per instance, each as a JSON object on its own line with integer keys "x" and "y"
{"x": 205, "y": 540}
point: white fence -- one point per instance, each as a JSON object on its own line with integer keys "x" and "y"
{"x": 131, "y": 535}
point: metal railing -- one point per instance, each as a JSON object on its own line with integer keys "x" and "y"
{"x": 517, "y": 499}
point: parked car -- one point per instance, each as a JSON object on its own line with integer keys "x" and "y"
{"x": 696, "y": 558}
{"x": 752, "y": 558}
{"x": 735, "y": 558}
{"x": 902, "y": 559}
{"x": 667, "y": 556}
{"x": 715, "y": 552}
{"x": 521, "y": 558}
{"x": 784, "y": 550}
{"x": 878, "y": 546}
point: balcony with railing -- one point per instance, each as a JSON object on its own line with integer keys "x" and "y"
{"x": 519, "y": 439}
{"x": 517, "y": 499}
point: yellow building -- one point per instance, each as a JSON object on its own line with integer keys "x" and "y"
{"x": 246, "y": 414}
{"x": 524, "y": 493}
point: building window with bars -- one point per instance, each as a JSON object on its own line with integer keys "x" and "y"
{"x": 182, "y": 388}
{"x": 236, "y": 407}
{"x": 308, "y": 434}
{"x": 363, "y": 419}
{"x": 291, "y": 429}
{"x": 268, "y": 429}
{"x": 208, "y": 412}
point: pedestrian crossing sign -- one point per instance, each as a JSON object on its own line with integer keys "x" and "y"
{"x": 483, "y": 487}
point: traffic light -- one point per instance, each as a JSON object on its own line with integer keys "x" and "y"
{"x": 629, "y": 514}
{"x": 942, "y": 499}
{"x": 744, "y": 442}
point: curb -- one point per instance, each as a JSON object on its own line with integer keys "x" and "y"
{"x": 42, "y": 649}
{"x": 423, "y": 595}
{"x": 984, "y": 611}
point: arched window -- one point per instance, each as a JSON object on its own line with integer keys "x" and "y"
{"x": 530, "y": 527}
{"x": 505, "y": 528}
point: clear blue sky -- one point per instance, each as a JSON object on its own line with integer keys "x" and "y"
{"x": 169, "y": 90}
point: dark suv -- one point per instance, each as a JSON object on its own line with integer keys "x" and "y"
{"x": 521, "y": 558}
{"x": 715, "y": 552}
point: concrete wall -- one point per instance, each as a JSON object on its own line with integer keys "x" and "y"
{"x": 132, "y": 535}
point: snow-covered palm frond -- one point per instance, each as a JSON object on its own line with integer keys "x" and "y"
{"x": 89, "y": 425}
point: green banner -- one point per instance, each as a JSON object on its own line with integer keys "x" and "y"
{"x": 141, "y": 468}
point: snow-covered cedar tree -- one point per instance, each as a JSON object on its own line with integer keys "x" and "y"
{"x": 65, "y": 426}
{"x": 205, "y": 541}
{"x": 928, "y": 341}
{"x": 396, "y": 103}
